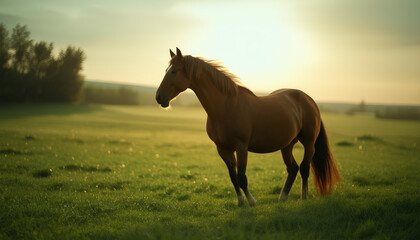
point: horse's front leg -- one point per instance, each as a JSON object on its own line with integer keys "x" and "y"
{"x": 242, "y": 155}
{"x": 230, "y": 160}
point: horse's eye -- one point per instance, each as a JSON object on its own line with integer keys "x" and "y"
{"x": 173, "y": 71}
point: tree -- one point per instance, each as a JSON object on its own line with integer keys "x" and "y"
{"x": 30, "y": 72}
{"x": 21, "y": 44}
{"x": 362, "y": 106}
{"x": 4, "y": 47}
{"x": 40, "y": 58}
{"x": 63, "y": 82}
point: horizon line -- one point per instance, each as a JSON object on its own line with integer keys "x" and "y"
{"x": 371, "y": 103}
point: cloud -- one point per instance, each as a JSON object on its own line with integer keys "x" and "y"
{"x": 87, "y": 22}
{"x": 374, "y": 22}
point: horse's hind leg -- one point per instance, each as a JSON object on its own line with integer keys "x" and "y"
{"x": 292, "y": 170}
{"x": 305, "y": 166}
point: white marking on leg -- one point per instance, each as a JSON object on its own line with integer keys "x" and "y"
{"x": 241, "y": 200}
{"x": 283, "y": 196}
{"x": 250, "y": 198}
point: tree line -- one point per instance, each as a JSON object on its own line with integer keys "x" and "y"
{"x": 402, "y": 113}
{"x": 110, "y": 95}
{"x": 29, "y": 71}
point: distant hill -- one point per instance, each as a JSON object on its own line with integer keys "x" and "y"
{"x": 146, "y": 96}
{"x": 116, "y": 85}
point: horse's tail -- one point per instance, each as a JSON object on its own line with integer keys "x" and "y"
{"x": 323, "y": 166}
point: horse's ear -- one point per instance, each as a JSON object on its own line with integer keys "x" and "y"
{"x": 178, "y": 52}
{"x": 172, "y": 53}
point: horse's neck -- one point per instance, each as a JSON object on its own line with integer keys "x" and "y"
{"x": 210, "y": 97}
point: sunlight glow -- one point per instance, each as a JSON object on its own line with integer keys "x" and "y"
{"x": 332, "y": 50}
{"x": 250, "y": 40}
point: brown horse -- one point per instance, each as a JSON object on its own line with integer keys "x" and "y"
{"x": 239, "y": 121}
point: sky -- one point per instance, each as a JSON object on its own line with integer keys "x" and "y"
{"x": 345, "y": 51}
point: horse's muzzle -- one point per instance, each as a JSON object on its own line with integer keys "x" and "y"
{"x": 162, "y": 100}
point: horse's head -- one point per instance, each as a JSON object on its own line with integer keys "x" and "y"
{"x": 175, "y": 80}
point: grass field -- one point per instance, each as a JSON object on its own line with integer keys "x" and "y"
{"x": 112, "y": 172}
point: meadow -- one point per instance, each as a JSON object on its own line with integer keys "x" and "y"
{"x": 119, "y": 172}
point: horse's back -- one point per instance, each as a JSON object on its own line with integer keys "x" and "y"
{"x": 286, "y": 91}
{"x": 275, "y": 121}
{"x": 294, "y": 94}
{"x": 281, "y": 116}
{"x": 296, "y": 97}
{"x": 293, "y": 99}
{"x": 308, "y": 111}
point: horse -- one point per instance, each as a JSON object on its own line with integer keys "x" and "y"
{"x": 238, "y": 121}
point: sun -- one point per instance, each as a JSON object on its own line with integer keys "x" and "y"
{"x": 247, "y": 44}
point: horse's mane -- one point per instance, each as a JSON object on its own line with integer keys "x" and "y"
{"x": 225, "y": 81}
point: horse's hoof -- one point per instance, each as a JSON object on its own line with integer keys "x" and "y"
{"x": 251, "y": 202}
{"x": 251, "y": 199}
{"x": 241, "y": 201}
{"x": 283, "y": 197}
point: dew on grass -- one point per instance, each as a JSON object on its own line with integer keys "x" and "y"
{"x": 81, "y": 167}
{"x": 56, "y": 186}
{"x": 361, "y": 181}
{"x": 187, "y": 176}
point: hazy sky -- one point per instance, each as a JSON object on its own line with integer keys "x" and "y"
{"x": 333, "y": 50}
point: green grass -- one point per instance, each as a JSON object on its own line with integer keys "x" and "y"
{"x": 112, "y": 172}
